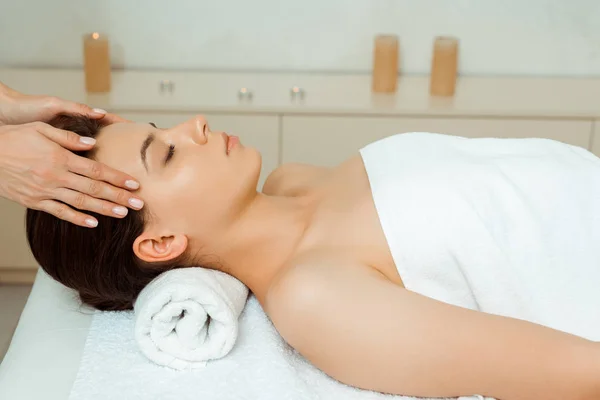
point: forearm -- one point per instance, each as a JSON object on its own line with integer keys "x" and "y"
{"x": 372, "y": 334}
{"x": 452, "y": 351}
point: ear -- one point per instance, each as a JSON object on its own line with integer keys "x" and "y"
{"x": 155, "y": 248}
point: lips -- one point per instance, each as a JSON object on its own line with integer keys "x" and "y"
{"x": 230, "y": 142}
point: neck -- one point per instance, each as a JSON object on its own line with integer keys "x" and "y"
{"x": 265, "y": 236}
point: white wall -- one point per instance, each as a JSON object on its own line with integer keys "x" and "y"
{"x": 540, "y": 37}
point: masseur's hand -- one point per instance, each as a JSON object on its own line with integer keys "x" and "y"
{"x": 37, "y": 171}
{"x": 18, "y": 108}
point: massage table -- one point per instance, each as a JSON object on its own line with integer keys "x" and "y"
{"x": 45, "y": 352}
{"x": 45, "y": 357}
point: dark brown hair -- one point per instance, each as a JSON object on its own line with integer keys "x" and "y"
{"x": 99, "y": 263}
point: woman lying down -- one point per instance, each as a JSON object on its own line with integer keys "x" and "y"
{"x": 425, "y": 265}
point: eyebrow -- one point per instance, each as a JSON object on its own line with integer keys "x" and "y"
{"x": 144, "y": 148}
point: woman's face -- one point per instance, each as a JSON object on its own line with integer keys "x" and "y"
{"x": 192, "y": 182}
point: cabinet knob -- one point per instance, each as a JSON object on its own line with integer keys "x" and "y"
{"x": 297, "y": 93}
{"x": 166, "y": 86}
{"x": 245, "y": 94}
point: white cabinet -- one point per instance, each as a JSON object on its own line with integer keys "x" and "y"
{"x": 180, "y": 91}
{"x": 327, "y": 120}
{"x": 330, "y": 140}
{"x": 258, "y": 131}
{"x": 596, "y": 138}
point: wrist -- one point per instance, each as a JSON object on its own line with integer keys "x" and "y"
{"x": 5, "y": 103}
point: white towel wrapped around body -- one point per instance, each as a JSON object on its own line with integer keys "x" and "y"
{"x": 504, "y": 226}
{"x": 188, "y": 316}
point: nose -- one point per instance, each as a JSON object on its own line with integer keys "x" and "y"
{"x": 199, "y": 130}
{"x": 195, "y": 129}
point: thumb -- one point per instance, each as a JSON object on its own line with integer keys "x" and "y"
{"x": 67, "y": 139}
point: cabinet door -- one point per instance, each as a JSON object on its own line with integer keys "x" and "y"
{"x": 258, "y": 131}
{"x": 328, "y": 141}
{"x": 596, "y": 138}
{"x": 14, "y": 250}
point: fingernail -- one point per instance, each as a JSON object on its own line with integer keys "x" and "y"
{"x": 132, "y": 184}
{"x": 99, "y": 111}
{"x": 87, "y": 140}
{"x": 91, "y": 222}
{"x": 136, "y": 203}
{"x": 120, "y": 210}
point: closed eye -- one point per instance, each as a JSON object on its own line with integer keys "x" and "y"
{"x": 170, "y": 154}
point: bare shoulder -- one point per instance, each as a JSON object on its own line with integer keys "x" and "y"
{"x": 324, "y": 306}
{"x": 308, "y": 291}
{"x": 292, "y": 178}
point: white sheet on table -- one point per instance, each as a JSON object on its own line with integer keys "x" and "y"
{"x": 260, "y": 366}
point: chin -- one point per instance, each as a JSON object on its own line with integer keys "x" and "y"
{"x": 252, "y": 164}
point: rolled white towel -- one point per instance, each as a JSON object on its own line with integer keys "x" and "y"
{"x": 188, "y": 316}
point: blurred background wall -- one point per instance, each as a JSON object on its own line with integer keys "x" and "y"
{"x": 509, "y": 37}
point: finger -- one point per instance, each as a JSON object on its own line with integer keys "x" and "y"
{"x": 113, "y": 119}
{"x": 66, "y": 139}
{"x": 104, "y": 191}
{"x": 100, "y": 172}
{"x": 70, "y": 107}
{"x": 82, "y": 201}
{"x": 66, "y": 213}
